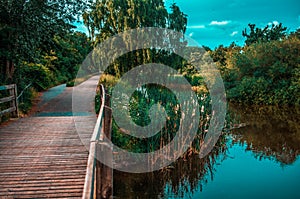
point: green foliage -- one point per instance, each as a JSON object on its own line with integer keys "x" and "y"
{"x": 250, "y": 90}
{"x": 109, "y": 81}
{"x": 273, "y": 33}
{"x": 37, "y": 74}
{"x": 108, "y": 18}
{"x": 64, "y": 59}
{"x": 30, "y": 25}
{"x": 38, "y": 48}
{"x": 25, "y": 102}
{"x": 266, "y": 73}
{"x": 97, "y": 103}
{"x": 139, "y": 106}
{"x": 70, "y": 83}
{"x": 111, "y": 17}
{"x": 195, "y": 80}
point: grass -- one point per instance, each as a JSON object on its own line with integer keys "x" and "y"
{"x": 79, "y": 80}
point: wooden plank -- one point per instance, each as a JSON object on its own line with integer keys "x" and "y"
{"x": 42, "y": 157}
{"x": 9, "y": 110}
{"x": 45, "y": 157}
{"x": 12, "y": 99}
{"x": 7, "y": 99}
{"x": 7, "y": 87}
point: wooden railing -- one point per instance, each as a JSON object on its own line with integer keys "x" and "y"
{"x": 10, "y": 98}
{"x": 98, "y": 179}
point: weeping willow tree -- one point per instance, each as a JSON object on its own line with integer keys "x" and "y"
{"x": 107, "y": 18}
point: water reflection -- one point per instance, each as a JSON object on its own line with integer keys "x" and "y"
{"x": 270, "y": 132}
{"x": 184, "y": 176}
{"x": 260, "y": 160}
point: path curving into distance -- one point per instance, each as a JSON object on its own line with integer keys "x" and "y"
{"x": 43, "y": 156}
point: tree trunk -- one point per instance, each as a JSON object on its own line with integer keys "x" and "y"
{"x": 10, "y": 68}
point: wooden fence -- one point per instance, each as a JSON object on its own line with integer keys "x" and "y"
{"x": 10, "y": 98}
{"x": 98, "y": 179}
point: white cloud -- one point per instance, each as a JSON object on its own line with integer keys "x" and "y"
{"x": 219, "y": 23}
{"x": 234, "y": 33}
{"x": 196, "y": 27}
{"x": 276, "y": 23}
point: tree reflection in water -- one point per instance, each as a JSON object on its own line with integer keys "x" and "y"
{"x": 184, "y": 176}
{"x": 270, "y": 132}
{"x": 188, "y": 173}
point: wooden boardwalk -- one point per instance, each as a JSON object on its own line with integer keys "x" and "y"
{"x": 43, "y": 156}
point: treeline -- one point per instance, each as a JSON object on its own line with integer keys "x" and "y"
{"x": 266, "y": 71}
{"x": 39, "y": 46}
{"x": 106, "y": 18}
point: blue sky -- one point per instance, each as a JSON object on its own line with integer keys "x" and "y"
{"x": 215, "y": 22}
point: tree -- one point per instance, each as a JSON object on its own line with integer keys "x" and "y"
{"x": 107, "y": 18}
{"x": 295, "y": 34}
{"x": 266, "y": 73}
{"x": 28, "y": 26}
{"x": 66, "y": 54}
{"x": 273, "y": 33}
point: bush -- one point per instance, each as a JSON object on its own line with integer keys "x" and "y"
{"x": 266, "y": 73}
{"x": 70, "y": 83}
{"x": 37, "y": 74}
{"x": 108, "y": 81}
{"x": 25, "y": 102}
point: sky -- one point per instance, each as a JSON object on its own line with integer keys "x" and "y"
{"x": 215, "y": 22}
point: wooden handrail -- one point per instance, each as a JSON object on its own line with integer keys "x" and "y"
{"x": 12, "y": 98}
{"x": 98, "y": 179}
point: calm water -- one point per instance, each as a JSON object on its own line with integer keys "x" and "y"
{"x": 261, "y": 159}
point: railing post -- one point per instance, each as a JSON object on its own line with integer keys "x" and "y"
{"x": 104, "y": 174}
{"x": 98, "y": 184}
{"x": 107, "y": 100}
{"x": 12, "y": 99}
{"x": 14, "y": 102}
{"x": 107, "y": 121}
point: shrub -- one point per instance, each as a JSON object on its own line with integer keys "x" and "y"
{"x": 39, "y": 75}
{"x": 266, "y": 73}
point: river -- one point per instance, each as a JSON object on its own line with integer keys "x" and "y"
{"x": 261, "y": 159}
